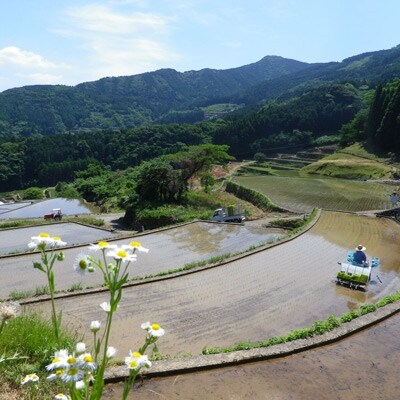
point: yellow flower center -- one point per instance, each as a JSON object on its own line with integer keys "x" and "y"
{"x": 121, "y": 253}
{"x": 59, "y": 372}
{"x": 56, "y": 359}
{"x": 88, "y": 359}
{"x": 102, "y": 244}
{"x": 135, "y": 244}
{"x": 56, "y": 238}
{"x": 133, "y": 364}
{"x": 136, "y": 354}
{"x": 44, "y": 235}
{"x": 71, "y": 360}
{"x": 155, "y": 327}
{"x": 73, "y": 371}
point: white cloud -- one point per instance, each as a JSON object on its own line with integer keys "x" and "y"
{"x": 120, "y": 43}
{"x": 98, "y": 18}
{"x": 14, "y": 55}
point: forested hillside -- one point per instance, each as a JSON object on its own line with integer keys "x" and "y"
{"x": 129, "y": 101}
{"x": 380, "y": 123}
{"x": 313, "y": 112}
{"x": 318, "y": 112}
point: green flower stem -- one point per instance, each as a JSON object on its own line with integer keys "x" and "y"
{"x": 3, "y": 322}
{"x": 129, "y": 382}
{"x": 48, "y": 269}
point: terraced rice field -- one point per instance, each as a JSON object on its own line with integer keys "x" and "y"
{"x": 170, "y": 249}
{"x": 304, "y": 194}
{"x": 252, "y": 298}
{"x": 360, "y": 367}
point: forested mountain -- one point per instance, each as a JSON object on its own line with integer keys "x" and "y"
{"x": 166, "y": 95}
{"x": 49, "y": 133}
{"x": 363, "y": 69}
{"x": 128, "y": 101}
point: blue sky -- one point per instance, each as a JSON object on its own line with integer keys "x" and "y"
{"x": 73, "y": 41}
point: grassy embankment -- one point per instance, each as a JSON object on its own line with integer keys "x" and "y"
{"x": 353, "y": 162}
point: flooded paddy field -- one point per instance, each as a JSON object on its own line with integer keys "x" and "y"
{"x": 38, "y": 209}
{"x": 253, "y": 298}
{"x": 169, "y": 249}
{"x": 360, "y": 367}
{"x": 303, "y": 194}
{"x": 16, "y": 240}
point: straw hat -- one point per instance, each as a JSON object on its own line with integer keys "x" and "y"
{"x": 360, "y": 247}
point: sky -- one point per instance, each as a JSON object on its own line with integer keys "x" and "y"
{"x": 73, "y": 41}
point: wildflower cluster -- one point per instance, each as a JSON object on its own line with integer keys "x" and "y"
{"x": 82, "y": 370}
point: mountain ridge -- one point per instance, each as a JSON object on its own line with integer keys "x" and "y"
{"x": 166, "y": 95}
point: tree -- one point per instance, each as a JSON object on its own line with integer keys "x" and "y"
{"x": 259, "y": 157}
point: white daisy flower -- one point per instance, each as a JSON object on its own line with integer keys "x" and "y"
{"x": 136, "y": 361}
{"x": 121, "y": 254}
{"x": 62, "y": 396}
{"x": 102, "y": 245}
{"x": 56, "y": 374}
{"x": 135, "y": 246}
{"x": 87, "y": 361}
{"x": 154, "y": 330}
{"x": 42, "y": 239}
{"x": 57, "y": 242}
{"x": 29, "y": 378}
{"x": 72, "y": 374}
{"x": 82, "y": 263}
{"x": 59, "y": 360}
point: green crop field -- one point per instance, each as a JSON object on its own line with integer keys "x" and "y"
{"x": 303, "y": 194}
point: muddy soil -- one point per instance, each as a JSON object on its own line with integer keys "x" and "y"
{"x": 360, "y": 367}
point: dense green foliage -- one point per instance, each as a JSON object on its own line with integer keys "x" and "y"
{"x": 121, "y": 103}
{"x": 44, "y": 161}
{"x": 380, "y": 123}
{"x": 165, "y": 180}
{"x": 291, "y": 123}
{"x": 251, "y": 196}
{"x": 91, "y": 119}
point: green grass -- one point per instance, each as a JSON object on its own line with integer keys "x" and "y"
{"x": 32, "y": 337}
{"x": 353, "y": 162}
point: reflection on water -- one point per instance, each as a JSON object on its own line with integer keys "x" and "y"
{"x": 37, "y": 210}
{"x": 207, "y": 237}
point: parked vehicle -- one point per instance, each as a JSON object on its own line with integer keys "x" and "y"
{"x": 55, "y": 214}
{"x": 229, "y": 214}
{"x": 354, "y": 275}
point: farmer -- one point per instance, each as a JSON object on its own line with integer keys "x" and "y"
{"x": 359, "y": 257}
{"x": 394, "y": 198}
